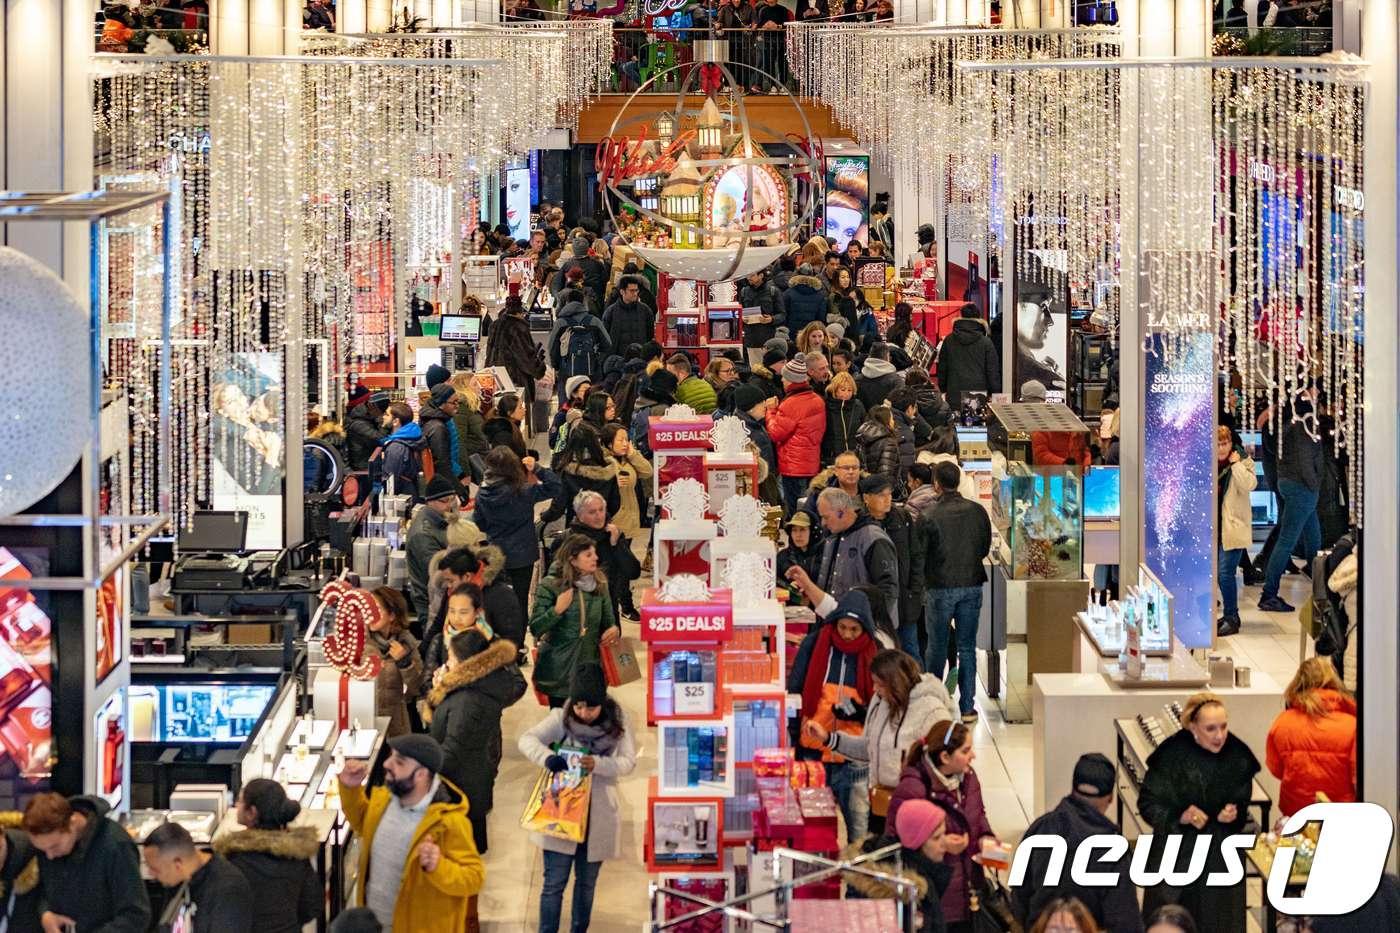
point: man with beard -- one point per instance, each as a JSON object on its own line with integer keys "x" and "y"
{"x": 418, "y": 861}
{"x": 1033, "y": 323}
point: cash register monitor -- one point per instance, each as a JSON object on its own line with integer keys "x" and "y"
{"x": 215, "y": 532}
{"x": 460, "y": 328}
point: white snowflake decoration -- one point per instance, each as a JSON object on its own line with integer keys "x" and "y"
{"x": 729, "y": 435}
{"x": 683, "y": 294}
{"x": 686, "y": 500}
{"x": 723, "y": 293}
{"x": 679, "y": 412}
{"x": 683, "y": 588}
{"x": 741, "y": 517}
{"x": 749, "y": 577}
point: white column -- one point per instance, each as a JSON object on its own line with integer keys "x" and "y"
{"x": 1380, "y": 672}
{"x": 378, "y": 15}
{"x": 46, "y": 133}
{"x": 255, "y": 27}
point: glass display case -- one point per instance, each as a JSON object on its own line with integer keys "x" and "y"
{"x": 1039, "y": 454}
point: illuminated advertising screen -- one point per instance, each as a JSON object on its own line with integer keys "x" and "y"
{"x": 1179, "y": 470}
{"x": 246, "y": 443}
{"x": 517, "y": 202}
{"x": 26, "y": 677}
{"x": 846, "y": 210}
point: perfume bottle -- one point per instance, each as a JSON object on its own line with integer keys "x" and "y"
{"x": 113, "y": 756}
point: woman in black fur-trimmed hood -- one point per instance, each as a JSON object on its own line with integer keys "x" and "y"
{"x": 463, "y": 712}
{"x": 275, "y": 857}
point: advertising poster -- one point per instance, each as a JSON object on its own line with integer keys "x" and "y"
{"x": 26, "y": 675}
{"x": 1179, "y": 463}
{"x": 110, "y": 747}
{"x": 1042, "y": 339}
{"x": 111, "y": 624}
{"x": 517, "y": 202}
{"x": 846, "y": 210}
{"x": 246, "y": 441}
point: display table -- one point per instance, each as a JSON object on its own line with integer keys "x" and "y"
{"x": 1074, "y": 713}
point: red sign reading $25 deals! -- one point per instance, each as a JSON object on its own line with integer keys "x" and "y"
{"x": 687, "y": 621}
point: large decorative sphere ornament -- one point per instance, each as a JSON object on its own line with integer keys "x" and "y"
{"x": 45, "y": 380}
{"x": 691, "y": 190}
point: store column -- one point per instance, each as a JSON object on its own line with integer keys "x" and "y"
{"x": 1380, "y": 654}
{"x": 47, "y": 127}
{"x": 255, "y": 27}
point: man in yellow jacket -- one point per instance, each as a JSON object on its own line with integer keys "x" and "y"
{"x": 419, "y": 868}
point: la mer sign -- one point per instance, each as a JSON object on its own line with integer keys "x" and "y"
{"x": 680, "y": 435}
{"x": 687, "y": 622}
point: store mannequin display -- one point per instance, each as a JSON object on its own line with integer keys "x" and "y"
{"x": 1199, "y": 782}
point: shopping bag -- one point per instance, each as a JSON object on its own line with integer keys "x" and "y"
{"x": 620, "y": 664}
{"x": 558, "y": 806}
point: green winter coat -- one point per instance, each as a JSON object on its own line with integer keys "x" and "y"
{"x": 565, "y": 641}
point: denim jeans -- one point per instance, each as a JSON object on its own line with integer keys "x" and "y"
{"x": 793, "y": 488}
{"x": 909, "y": 640}
{"x": 961, "y": 605}
{"x": 1228, "y": 566}
{"x": 556, "y": 878}
{"x": 1297, "y": 524}
{"x": 850, "y": 785}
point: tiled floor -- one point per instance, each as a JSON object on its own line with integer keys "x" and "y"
{"x": 1267, "y": 642}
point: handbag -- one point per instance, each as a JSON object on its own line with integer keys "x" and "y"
{"x": 880, "y": 796}
{"x": 989, "y": 903}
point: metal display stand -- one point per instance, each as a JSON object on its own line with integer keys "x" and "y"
{"x": 68, "y": 522}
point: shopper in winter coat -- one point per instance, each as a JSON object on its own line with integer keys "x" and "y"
{"x": 470, "y": 425}
{"x": 907, "y": 703}
{"x": 1300, "y": 468}
{"x": 933, "y": 408}
{"x": 657, "y": 394}
{"x": 505, "y": 512}
{"x": 464, "y": 709}
{"x": 513, "y": 346}
{"x": 363, "y": 427}
{"x": 939, "y": 769}
{"x": 922, "y": 839}
{"x": 427, "y": 535}
{"x": 583, "y": 466}
{"x": 1080, "y": 815}
{"x": 1235, "y": 481}
{"x": 805, "y": 300}
{"x": 577, "y": 345}
{"x": 400, "y": 679}
{"x": 765, "y": 377}
{"x": 803, "y": 551}
{"x": 855, "y": 551}
{"x": 844, "y": 416}
{"x": 441, "y": 872}
{"x": 502, "y": 429}
{"x": 1312, "y": 744}
{"x": 691, "y": 389}
{"x": 1199, "y": 782}
{"x": 911, "y": 429}
{"x": 879, "y": 445}
{"x": 403, "y": 448}
{"x": 89, "y": 870}
{"x": 796, "y": 426}
{"x": 572, "y": 616}
{"x": 954, "y": 575}
{"x": 593, "y": 721}
{"x": 758, "y": 292}
{"x": 435, "y": 418}
{"x": 908, "y": 540}
{"x": 627, "y": 320}
{"x": 834, "y": 680}
{"x": 877, "y": 378}
{"x": 967, "y": 360}
{"x": 616, "y": 560}
{"x": 633, "y": 474}
{"x": 275, "y": 857}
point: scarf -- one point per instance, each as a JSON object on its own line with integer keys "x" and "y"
{"x": 588, "y": 583}
{"x": 862, "y": 649}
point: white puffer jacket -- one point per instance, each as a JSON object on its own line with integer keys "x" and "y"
{"x": 886, "y": 740}
{"x": 1236, "y": 514}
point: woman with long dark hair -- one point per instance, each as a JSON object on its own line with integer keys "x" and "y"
{"x": 572, "y": 617}
{"x": 505, "y": 513}
{"x": 582, "y": 465}
{"x": 592, "y": 721}
{"x": 401, "y": 673}
{"x": 275, "y": 857}
{"x": 502, "y": 429}
{"x": 599, "y": 409}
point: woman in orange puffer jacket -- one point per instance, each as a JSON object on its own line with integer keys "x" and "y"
{"x": 1312, "y": 744}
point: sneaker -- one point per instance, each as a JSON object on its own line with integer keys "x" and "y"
{"x": 1254, "y": 577}
{"x": 970, "y": 717}
{"x": 1274, "y": 604}
{"x": 1228, "y": 625}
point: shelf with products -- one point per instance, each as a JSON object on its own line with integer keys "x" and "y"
{"x": 683, "y": 833}
{"x": 684, "y": 681}
{"x": 695, "y": 757}
{"x": 714, "y": 886}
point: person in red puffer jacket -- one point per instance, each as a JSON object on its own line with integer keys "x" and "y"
{"x": 1312, "y": 744}
{"x": 796, "y": 426}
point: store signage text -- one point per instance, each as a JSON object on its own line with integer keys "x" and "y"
{"x": 183, "y": 142}
{"x": 1353, "y": 198}
{"x": 1261, "y": 171}
{"x": 620, "y": 159}
{"x": 687, "y": 623}
{"x": 1338, "y": 882}
{"x": 658, "y": 7}
{"x": 680, "y": 435}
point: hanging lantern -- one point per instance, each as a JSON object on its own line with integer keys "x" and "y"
{"x": 665, "y": 128}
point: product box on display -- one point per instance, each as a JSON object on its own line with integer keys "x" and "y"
{"x": 683, "y": 680}
{"x": 729, "y": 475}
{"x": 341, "y": 698}
{"x": 695, "y": 757}
{"x": 683, "y": 832}
{"x": 715, "y": 886}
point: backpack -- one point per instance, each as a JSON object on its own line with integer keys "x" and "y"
{"x": 578, "y": 348}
